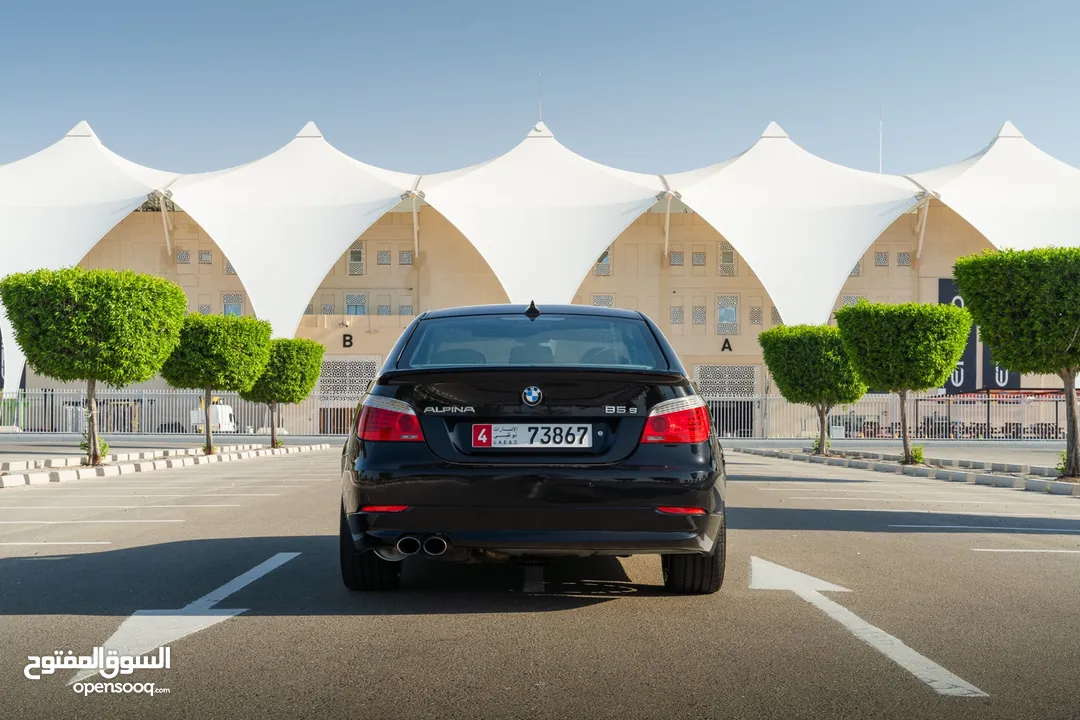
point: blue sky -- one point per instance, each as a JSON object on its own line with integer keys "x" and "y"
{"x": 429, "y": 86}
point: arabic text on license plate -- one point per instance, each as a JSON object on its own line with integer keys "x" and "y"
{"x": 525, "y": 435}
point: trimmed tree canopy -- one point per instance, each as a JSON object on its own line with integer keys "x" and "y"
{"x": 912, "y": 346}
{"x": 291, "y": 373}
{"x": 810, "y": 366}
{"x": 1027, "y": 306}
{"x": 112, "y": 326}
{"x": 224, "y": 352}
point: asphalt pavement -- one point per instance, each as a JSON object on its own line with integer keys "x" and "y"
{"x": 871, "y": 596}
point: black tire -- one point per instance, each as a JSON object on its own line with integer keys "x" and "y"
{"x": 697, "y": 574}
{"x": 365, "y": 570}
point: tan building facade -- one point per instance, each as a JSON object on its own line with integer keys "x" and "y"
{"x": 702, "y": 294}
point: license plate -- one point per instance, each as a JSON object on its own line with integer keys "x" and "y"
{"x": 530, "y": 435}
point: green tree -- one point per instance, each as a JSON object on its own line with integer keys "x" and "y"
{"x": 289, "y": 377}
{"x": 218, "y": 352}
{"x": 100, "y": 326}
{"x": 901, "y": 348}
{"x": 1027, "y": 306}
{"x": 810, "y": 367}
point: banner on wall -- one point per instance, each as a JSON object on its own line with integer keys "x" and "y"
{"x": 995, "y": 377}
{"x": 962, "y": 379}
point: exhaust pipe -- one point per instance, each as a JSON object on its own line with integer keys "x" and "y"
{"x": 408, "y": 545}
{"x": 435, "y": 546}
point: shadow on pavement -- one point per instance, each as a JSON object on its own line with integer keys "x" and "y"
{"x": 170, "y": 575}
{"x": 746, "y": 518}
{"x": 735, "y": 477}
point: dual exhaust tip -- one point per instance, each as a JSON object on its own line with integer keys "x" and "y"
{"x": 433, "y": 545}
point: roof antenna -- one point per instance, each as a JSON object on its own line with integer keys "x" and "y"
{"x": 540, "y": 94}
{"x": 532, "y": 310}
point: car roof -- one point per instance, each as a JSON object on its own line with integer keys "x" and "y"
{"x": 508, "y": 309}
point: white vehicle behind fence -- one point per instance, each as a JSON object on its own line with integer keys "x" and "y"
{"x": 221, "y": 419}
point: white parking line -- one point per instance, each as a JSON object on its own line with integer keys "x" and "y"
{"x": 1062, "y": 531}
{"x": 984, "y": 513}
{"x": 973, "y": 501}
{"x": 106, "y": 507}
{"x": 79, "y": 522}
{"x": 1006, "y": 550}
{"x": 17, "y": 544}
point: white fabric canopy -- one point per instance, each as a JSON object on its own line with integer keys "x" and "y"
{"x": 57, "y": 204}
{"x": 1012, "y": 192}
{"x": 541, "y": 215}
{"x": 801, "y": 222}
{"x": 284, "y": 220}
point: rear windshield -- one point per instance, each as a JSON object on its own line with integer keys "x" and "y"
{"x": 510, "y": 340}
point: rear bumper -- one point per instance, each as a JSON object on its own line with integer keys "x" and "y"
{"x": 565, "y": 531}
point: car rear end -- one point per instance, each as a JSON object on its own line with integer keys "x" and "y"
{"x": 504, "y": 431}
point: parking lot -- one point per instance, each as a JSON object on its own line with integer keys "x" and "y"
{"x": 960, "y": 603}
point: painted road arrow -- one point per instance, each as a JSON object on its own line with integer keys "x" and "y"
{"x": 765, "y": 575}
{"x": 148, "y": 630}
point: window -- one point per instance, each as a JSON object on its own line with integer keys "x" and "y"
{"x": 881, "y": 259}
{"x": 727, "y": 314}
{"x": 382, "y": 257}
{"x": 857, "y": 270}
{"x": 603, "y": 300}
{"x": 183, "y": 257}
{"x": 229, "y": 269}
{"x": 310, "y": 309}
{"x": 725, "y": 259}
{"x": 727, "y": 380}
{"x": 775, "y": 317}
{"x": 404, "y": 257}
{"x": 206, "y": 257}
{"x": 329, "y": 309}
{"x": 903, "y": 259}
{"x": 846, "y": 300}
{"x": 697, "y": 259}
{"x": 756, "y": 316}
{"x": 603, "y": 263}
{"x": 405, "y": 310}
{"x": 549, "y": 339}
{"x": 697, "y": 315}
{"x": 204, "y": 309}
{"x": 356, "y": 303}
{"x": 675, "y": 315}
{"x": 382, "y": 310}
{"x": 356, "y": 258}
{"x": 675, "y": 257}
{"x": 233, "y": 303}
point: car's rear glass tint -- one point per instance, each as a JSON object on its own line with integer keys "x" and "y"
{"x": 511, "y": 340}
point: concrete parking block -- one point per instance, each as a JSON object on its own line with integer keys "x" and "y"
{"x": 983, "y": 479}
{"x": 56, "y": 462}
{"x": 86, "y": 473}
{"x": 800, "y": 457}
{"x": 1036, "y": 485}
{"x": 107, "y": 470}
{"x": 14, "y": 465}
{"x": 37, "y": 478}
{"x": 125, "y": 468}
{"x": 1057, "y": 487}
{"x": 1008, "y": 481}
{"x": 12, "y": 480}
{"x": 889, "y": 468}
{"x": 817, "y": 459}
{"x": 838, "y": 462}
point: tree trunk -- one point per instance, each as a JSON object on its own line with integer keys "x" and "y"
{"x": 93, "y": 450}
{"x": 273, "y": 425}
{"x": 904, "y": 432}
{"x": 1072, "y": 432}
{"x": 209, "y": 450}
{"x": 823, "y": 436}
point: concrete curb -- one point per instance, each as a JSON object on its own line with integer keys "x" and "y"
{"x": 67, "y": 472}
{"x": 77, "y": 461}
{"x": 991, "y": 479}
{"x": 1010, "y": 468}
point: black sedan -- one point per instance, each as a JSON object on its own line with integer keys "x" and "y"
{"x": 505, "y": 432}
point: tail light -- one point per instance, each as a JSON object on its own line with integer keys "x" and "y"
{"x": 682, "y": 420}
{"x": 388, "y": 420}
{"x": 669, "y": 510}
{"x": 383, "y": 508}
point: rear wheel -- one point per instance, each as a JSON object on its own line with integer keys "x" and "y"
{"x": 365, "y": 570}
{"x": 697, "y": 574}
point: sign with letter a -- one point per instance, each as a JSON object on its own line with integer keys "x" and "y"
{"x": 962, "y": 379}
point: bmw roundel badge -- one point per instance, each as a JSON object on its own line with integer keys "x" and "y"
{"x": 532, "y": 396}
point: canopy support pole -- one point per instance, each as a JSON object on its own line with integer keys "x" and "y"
{"x": 165, "y": 221}
{"x": 667, "y": 194}
{"x": 923, "y": 219}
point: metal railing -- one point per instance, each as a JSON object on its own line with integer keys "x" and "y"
{"x": 1016, "y": 417}
{"x": 154, "y": 412}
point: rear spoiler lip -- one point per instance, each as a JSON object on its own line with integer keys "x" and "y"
{"x": 599, "y": 373}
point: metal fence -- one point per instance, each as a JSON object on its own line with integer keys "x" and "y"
{"x": 153, "y": 412}
{"x": 878, "y": 416}
{"x": 874, "y": 416}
